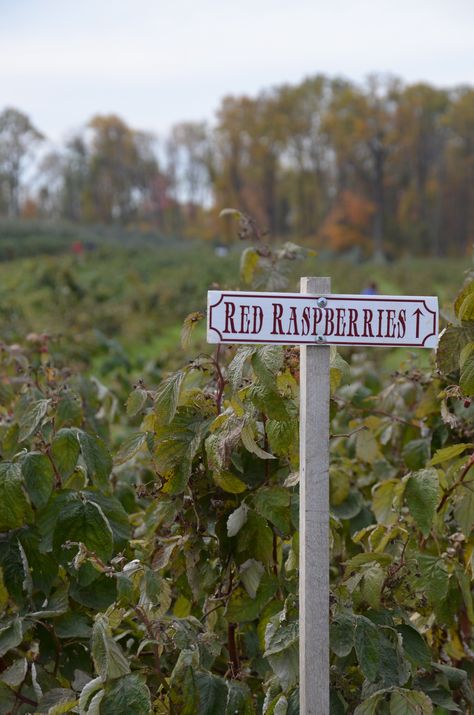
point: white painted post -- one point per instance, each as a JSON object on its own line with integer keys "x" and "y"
{"x": 314, "y": 519}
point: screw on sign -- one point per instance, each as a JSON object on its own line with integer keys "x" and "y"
{"x": 315, "y": 319}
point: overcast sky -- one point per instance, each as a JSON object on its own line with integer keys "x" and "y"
{"x": 155, "y": 62}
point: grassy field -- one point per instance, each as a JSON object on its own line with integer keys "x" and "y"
{"x": 119, "y": 306}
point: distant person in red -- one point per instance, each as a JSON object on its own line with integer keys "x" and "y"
{"x": 371, "y": 289}
{"x": 77, "y": 248}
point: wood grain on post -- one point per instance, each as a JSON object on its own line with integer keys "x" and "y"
{"x": 314, "y": 520}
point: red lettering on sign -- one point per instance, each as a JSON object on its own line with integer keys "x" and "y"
{"x": 229, "y": 322}
{"x": 353, "y": 315}
{"x": 402, "y": 323}
{"x": 340, "y": 322}
{"x": 317, "y": 317}
{"x": 277, "y": 313}
{"x": 257, "y": 319}
{"x": 368, "y": 317}
{"x": 245, "y": 319}
{"x": 292, "y": 322}
{"x": 306, "y": 325}
{"x": 379, "y": 331}
{"x": 390, "y": 325}
{"x": 329, "y": 328}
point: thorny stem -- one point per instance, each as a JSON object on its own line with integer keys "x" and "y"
{"x": 156, "y": 653}
{"x": 55, "y": 469}
{"x": 456, "y": 484}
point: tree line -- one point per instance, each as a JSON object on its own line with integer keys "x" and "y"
{"x": 383, "y": 168}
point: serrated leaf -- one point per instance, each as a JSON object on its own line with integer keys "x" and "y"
{"x": 452, "y": 340}
{"x": 282, "y": 652}
{"x": 97, "y": 458}
{"x": 367, "y": 646}
{"x": 371, "y": 584}
{"x": 136, "y": 401}
{"x": 464, "y": 509}
{"x": 228, "y": 482}
{"x": 81, "y": 520}
{"x": 130, "y": 447}
{"x": 38, "y": 474}
{"x": 32, "y": 418}
{"x": 167, "y": 397}
{"x": 57, "y": 701}
{"x": 109, "y": 659}
{"x": 422, "y": 496}
{"x": 15, "y": 509}
{"x": 466, "y": 382}
{"x": 236, "y": 520}
{"x": 434, "y": 578}
{"x": 239, "y": 699}
{"x": 65, "y": 451}
{"x": 212, "y": 692}
{"x": 69, "y": 411}
{"x": 410, "y": 702}
{"x": 237, "y": 364}
{"x": 273, "y": 503}
{"x": 128, "y": 694}
{"x": 447, "y": 453}
{"x": 416, "y": 453}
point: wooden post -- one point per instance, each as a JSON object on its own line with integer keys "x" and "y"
{"x": 314, "y": 519}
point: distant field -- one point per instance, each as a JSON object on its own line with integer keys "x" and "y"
{"x": 119, "y": 306}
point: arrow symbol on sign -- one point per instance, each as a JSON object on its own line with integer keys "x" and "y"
{"x": 418, "y": 313}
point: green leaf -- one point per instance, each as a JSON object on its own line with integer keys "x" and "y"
{"x": 239, "y": 699}
{"x": 183, "y": 682}
{"x": 167, "y": 397}
{"x": 367, "y": 448}
{"x": 416, "y": 453}
{"x": 212, "y": 693}
{"x": 342, "y": 635}
{"x": 415, "y": 646}
{"x": 15, "y": 509}
{"x": 73, "y": 624}
{"x": 126, "y": 695}
{"x": 130, "y": 447}
{"x": 410, "y": 702}
{"x": 97, "y": 458}
{"x": 255, "y": 540}
{"x": 57, "y": 701}
{"x": 282, "y": 652}
{"x": 464, "y": 509}
{"x": 109, "y": 660}
{"x": 89, "y": 691}
{"x": 464, "y": 303}
{"x": 422, "y": 496}
{"x": 65, "y": 451}
{"x": 447, "y": 453}
{"x": 69, "y": 411}
{"x": 236, "y": 367}
{"x": 15, "y": 673}
{"x": 466, "y": 382}
{"x": 38, "y": 474}
{"x": 81, "y": 520}
{"x": 251, "y": 572}
{"x": 383, "y": 498}
{"x": 228, "y": 482}
{"x": 32, "y": 418}
{"x": 434, "y": 579}
{"x": 369, "y": 706}
{"x": 273, "y": 503}
{"x": 367, "y": 646}
{"x": 452, "y": 340}
{"x": 189, "y": 325}
{"x": 136, "y": 401}
{"x": 371, "y": 584}
{"x": 11, "y": 636}
{"x": 237, "y": 519}
{"x": 242, "y": 608}
{"x": 250, "y": 444}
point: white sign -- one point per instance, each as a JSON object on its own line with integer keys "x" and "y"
{"x": 296, "y": 318}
